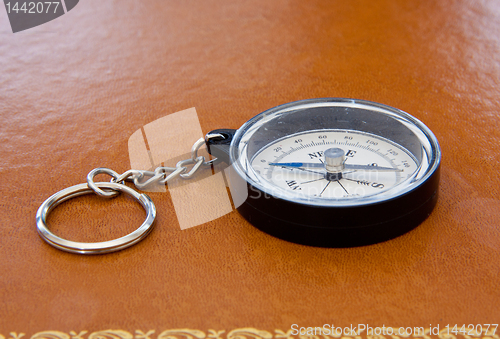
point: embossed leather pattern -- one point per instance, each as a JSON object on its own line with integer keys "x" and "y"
{"x": 73, "y": 90}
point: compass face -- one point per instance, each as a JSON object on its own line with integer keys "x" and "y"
{"x": 385, "y": 152}
{"x": 359, "y": 148}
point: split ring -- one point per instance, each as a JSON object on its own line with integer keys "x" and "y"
{"x": 94, "y": 247}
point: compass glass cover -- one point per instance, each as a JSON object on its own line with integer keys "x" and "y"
{"x": 334, "y": 152}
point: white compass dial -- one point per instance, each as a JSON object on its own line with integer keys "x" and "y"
{"x": 366, "y": 165}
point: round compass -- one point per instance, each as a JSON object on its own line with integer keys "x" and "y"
{"x": 332, "y": 172}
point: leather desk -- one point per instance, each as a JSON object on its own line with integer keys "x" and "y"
{"x": 73, "y": 91}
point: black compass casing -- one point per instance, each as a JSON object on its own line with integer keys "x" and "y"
{"x": 331, "y": 225}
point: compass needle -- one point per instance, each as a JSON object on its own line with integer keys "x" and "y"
{"x": 352, "y": 167}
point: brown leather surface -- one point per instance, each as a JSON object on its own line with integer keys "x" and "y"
{"x": 73, "y": 91}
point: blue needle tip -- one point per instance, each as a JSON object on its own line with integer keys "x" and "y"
{"x": 287, "y": 164}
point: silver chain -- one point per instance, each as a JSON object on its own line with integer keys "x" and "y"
{"x": 160, "y": 176}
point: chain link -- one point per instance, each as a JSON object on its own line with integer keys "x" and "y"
{"x": 161, "y": 175}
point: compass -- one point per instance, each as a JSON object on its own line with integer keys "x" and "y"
{"x": 332, "y": 172}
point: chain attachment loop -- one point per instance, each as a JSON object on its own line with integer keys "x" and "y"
{"x": 197, "y": 145}
{"x": 91, "y": 184}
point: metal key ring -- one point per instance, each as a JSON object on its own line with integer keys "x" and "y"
{"x": 95, "y": 247}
